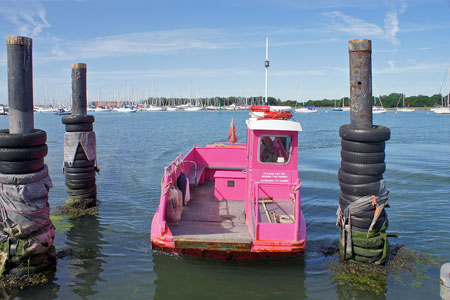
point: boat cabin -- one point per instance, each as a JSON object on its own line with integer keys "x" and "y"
{"x": 242, "y": 200}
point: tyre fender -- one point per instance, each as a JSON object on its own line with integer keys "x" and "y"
{"x": 374, "y": 134}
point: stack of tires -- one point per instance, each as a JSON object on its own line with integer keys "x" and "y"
{"x": 26, "y": 232}
{"x": 360, "y": 175}
{"x": 22, "y": 153}
{"x": 80, "y": 175}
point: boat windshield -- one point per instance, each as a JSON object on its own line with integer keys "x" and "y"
{"x": 274, "y": 149}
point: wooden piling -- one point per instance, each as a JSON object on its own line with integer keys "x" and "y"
{"x": 80, "y": 156}
{"x": 79, "y": 88}
{"x": 360, "y": 57}
{"x": 20, "y": 84}
{"x": 27, "y": 234}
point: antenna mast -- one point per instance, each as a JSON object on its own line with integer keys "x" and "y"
{"x": 266, "y": 64}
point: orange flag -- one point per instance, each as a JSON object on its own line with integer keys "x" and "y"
{"x": 232, "y": 138}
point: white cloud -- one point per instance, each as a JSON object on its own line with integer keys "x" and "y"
{"x": 29, "y": 16}
{"x": 164, "y": 42}
{"x": 391, "y": 28}
{"x": 361, "y": 28}
{"x": 352, "y": 25}
{"x": 155, "y": 42}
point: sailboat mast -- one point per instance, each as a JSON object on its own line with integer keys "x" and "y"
{"x": 266, "y": 64}
{"x": 448, "y": 81}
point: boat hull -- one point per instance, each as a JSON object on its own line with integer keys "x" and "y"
{"x": 229, "y": 201}
{"x": 163, "y": 240}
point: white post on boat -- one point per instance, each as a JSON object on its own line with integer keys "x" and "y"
{"x": 266, "y": 64}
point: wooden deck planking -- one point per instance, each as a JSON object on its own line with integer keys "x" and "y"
{"x": 210, "y": 221}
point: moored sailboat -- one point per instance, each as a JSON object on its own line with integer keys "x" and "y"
{"x": 404, "y": 108}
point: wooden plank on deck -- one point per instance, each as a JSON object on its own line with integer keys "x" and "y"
{"x": 211, "y": 224}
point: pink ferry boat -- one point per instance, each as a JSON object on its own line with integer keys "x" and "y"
{"x": 234, "y": 200}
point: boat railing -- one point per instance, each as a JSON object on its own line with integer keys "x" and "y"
{"x": 171, "y": 172}
{"x": 294, "y": 192}
{"x": 195, "y": 169}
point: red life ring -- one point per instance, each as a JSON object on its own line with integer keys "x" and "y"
{"x": 277, "y": 115}
{"x": 260, "y": 108}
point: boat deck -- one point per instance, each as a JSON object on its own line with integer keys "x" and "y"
{"x": 209, "y": 224}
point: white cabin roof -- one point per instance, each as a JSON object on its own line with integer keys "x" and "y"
{"x": 270, "y": 124}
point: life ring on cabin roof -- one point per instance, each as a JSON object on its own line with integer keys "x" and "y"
{"x": 261, "y": 108}
{"x": 274, "y": 115}
{"x": 278, "y": 115}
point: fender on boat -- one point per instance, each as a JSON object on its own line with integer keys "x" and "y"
{"x": 174, "y": 206}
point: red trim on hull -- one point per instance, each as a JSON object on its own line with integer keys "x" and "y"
{"x": 221, "y": 255}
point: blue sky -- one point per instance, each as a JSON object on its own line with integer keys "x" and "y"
{"x": 217, "y": 48}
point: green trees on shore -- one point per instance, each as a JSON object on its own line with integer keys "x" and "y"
{"x": 389, "y": 101}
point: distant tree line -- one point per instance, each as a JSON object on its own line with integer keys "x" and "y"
{"x": 389, "y": 101}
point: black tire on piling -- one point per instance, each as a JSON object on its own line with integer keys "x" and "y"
{"x": 21, "y": 167}
{"x": 80, "y": 184}
{"x": 82, "y": 191}
{"x": 23, "y": 154}
{"x": 363, "y": 169}
{"x": 80, "y": 127}
{"x": 377, "y": 227}
{"x": 374, "y": 134}
{"x": 357, "y": 179}
{"x": 78, "y": 119}
{"x": 364, "y": 219}
{"x": 78, "y": 176}
{"x": 92, "y": 195}
{"x": 363, "y": 158}
{"x": 80, "y": 164}
{"x": 79, "y": 170}
{"x": 364, "y": 189}
{"x": 22, "y": 140}
{"x": 362, "y": 147}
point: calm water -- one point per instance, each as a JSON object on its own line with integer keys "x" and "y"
{"x": 114, "y": 259}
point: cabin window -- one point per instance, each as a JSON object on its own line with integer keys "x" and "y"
{"x": 275, "y": 149}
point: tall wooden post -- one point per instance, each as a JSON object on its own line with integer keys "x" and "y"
{"x": 26, "y": 235}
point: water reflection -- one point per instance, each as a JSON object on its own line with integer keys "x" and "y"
{"x": 180, "y": 277}
{"x": 85, "y": 266}
{"x": 347, "y": 291}
{"x": 81, "y": 259}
